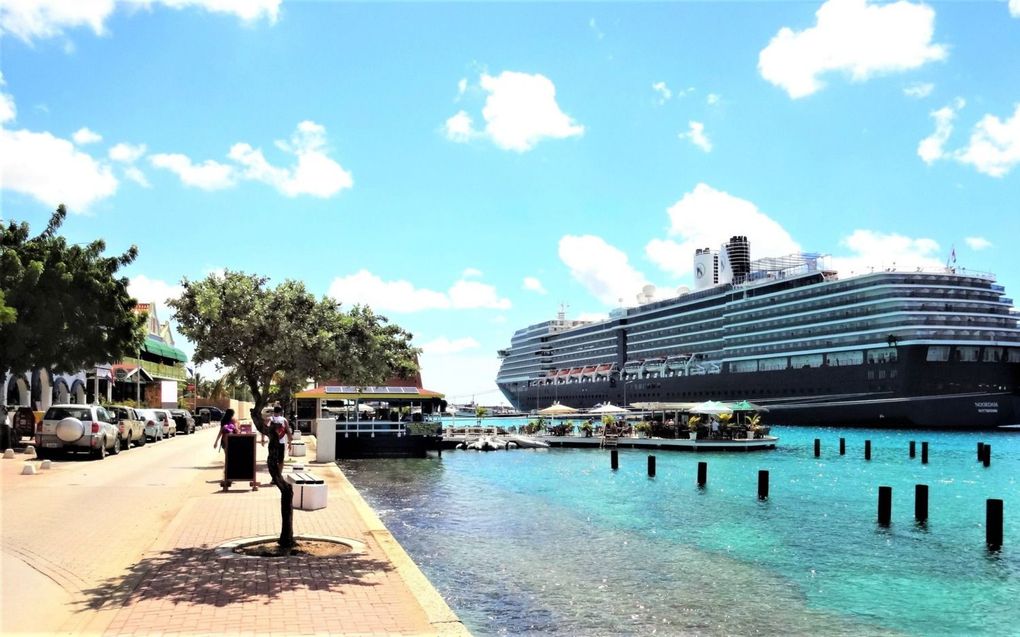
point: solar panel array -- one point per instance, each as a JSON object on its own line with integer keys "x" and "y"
{"x": 351, "y": 389}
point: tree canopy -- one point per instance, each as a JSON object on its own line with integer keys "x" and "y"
{"x": 62, "y": 306}
{"x": 267, "y": 333}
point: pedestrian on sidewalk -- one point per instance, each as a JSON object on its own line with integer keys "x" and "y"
{"x": 279, "y": 435}
{"x": 228, "y": 425}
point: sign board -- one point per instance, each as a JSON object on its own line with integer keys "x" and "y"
{"x": 239, "y": 462}
{"x": 121, "y": 374}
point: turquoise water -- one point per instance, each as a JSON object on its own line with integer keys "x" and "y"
{"x": 553, "y": 542}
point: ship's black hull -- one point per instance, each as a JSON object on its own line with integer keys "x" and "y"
{"x": 909, "y": 392}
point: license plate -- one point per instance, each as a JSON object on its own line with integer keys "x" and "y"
{"x": 51, "y": 445}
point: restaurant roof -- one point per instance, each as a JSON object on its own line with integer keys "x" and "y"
{"x": 352, "y": 392}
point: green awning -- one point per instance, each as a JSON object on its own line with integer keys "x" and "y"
{"x": 160, "y": 348}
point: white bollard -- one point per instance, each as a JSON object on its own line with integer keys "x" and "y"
{"x": 297, "y": 467}
{"x": 8, "y": 454}
{"x": 46, "y": 464}
{"x": 30, "y": 450}
{"x": 28, "y": 469}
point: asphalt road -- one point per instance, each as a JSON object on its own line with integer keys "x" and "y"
{"x": 83, "y": 522}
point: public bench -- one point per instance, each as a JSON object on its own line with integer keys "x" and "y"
{"x": 309, "y": 490}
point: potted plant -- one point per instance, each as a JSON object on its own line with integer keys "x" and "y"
{"x": 586, "y": 428}
{"x": 644, "y": 429}
{"x": 692, "y": 426}
{"x": 753, "y": 426}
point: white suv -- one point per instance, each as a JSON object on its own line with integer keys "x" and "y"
{"x": 78, "y": 428}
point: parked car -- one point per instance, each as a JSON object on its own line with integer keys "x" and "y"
{"x": 167, "y": 422}
{"x": 210, "y": 415}
{"x": 130, "y": 426}
{"x": 151, "y": 424}
{"x": 184, "y": 421}
{"x": 23, "y": 423}
{"x": 78, "y": 428}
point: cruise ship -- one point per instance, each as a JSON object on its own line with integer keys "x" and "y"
{"x": 898, "y": 348}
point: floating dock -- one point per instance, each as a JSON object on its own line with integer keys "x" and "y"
{"x": 626, "y": 442}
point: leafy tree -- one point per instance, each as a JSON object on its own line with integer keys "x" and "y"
{"x": 264, "y": 333}
{"x": 70, "y": 309}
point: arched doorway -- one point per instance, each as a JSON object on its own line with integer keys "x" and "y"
{"x": 61, "y": 392}
{"x": 17, "y": 391}
{"x": 78, "y": 392}
{"x": 42, "y": 389}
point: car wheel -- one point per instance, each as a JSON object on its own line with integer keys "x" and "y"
{"x": 142, "y": 440}
{"x": 116, "y": 446}
{"x": 100, "y": 453}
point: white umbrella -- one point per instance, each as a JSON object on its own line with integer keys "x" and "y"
{"x": 711, "y": 407}
{"x": 556, "y": 409}
{"x": 608, "y": 408}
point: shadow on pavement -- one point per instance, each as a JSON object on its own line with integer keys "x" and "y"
{"x": 201, "y": 576}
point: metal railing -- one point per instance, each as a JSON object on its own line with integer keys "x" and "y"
{"x": 156, "y": 369}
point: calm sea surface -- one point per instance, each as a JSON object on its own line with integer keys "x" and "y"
{"x": 552, "y": 542}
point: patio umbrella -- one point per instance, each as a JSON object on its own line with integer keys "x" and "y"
{"x": 557, "y": 409}
{"x": 711, "y": 407}
{"x": 608, "y": 408}
{"x": 746, "y": 406}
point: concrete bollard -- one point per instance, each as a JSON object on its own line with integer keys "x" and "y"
{"x": 651, "y": 466}
{"x": 986, "y": 455}
{"x": 884, "y": 505}
{"x": 913, "y": 449}
{"x": 993, "y": 524}
{"x": 8, "y": 454}
{"x": 921, "y": 502}
{"x": 818, "y": 447}
{"x": 614, "y": 460}
{"x": 763, "y": 484}
{"x": 46, "y": 464}
{"x": 924, "y": 453}
{"x": 842, "y": 446}
{"x": 702, "y": 473}
{"x": 29, "y": 450}
{"x": 28, "y": 469}
{"x": 981, "y": 451}
{"x": 867, "y": 450}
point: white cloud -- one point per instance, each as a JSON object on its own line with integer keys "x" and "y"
{"x": 470, "y": 272}
{"x": 664, "y": 93}
{"x": 602, "y": 269}
{"x": 460, "y": 128}
{"x": 875, "y": 251}
{"x": 932, "y": 147}
{"x": 919, "y": 89}
{"x": 520, "y": 111}
{"x": 8, "y": 111}
{"x": 126, "y": 153}
{"x": 534, "y": 285}
{"x": 713, "y": 99}
{"x": 462, "y": 86}
{"x": 592, "y": 316}
{"x": 853, "y": 37}
{"x": 315, "y": 174}
{"x": 595, "y": 28}
{"x": 84, "y": 136}
{"x": 148, "y": 290}
{"x": 52, "y": 170}
{"x": 443, "y": 345}
{"x": 707, "y": 218}
{"x": 1014, "y": 8}
{"x": 209, "y": 175}
{"x": 366, "y": 288}
{"x": 978, "y": 243}
{"x": 39, "y": 19}
{"x": 696, "y": 133}
{"x": 994, "y": 147}
{"x": 462, "y": 376}
{"x": 136, "y": 175}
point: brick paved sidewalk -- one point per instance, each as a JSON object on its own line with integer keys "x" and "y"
{"x": 183, "y": 586}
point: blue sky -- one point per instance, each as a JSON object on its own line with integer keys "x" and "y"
{"x": 465, "y": 168}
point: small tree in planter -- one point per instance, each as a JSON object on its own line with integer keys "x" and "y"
{"x": 692, "y": 426}
{"x": 644, "y": 429}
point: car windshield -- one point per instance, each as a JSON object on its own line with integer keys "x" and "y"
{"x": 59, "y": 413}
{"x": 122, "y": 413}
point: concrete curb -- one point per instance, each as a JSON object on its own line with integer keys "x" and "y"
{"x": 438, "y": 612}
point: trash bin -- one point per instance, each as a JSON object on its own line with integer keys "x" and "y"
{"x": 239, "y": 461}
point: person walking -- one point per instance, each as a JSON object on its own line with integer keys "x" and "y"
{"x": 228, "y": 425}
{"x": 279, "y": 435}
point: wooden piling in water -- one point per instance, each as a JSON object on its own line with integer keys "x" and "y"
{"x": 921, "y": 502}
{"x": 867, "y": 450}
{"x": 981, "y": 451}
{"x": 818, "y": 447}
{"x": 986, "y": 455}
{"x": 614, "y": 459}
{"x": 651, "y": 466}
{"x": 884, "y": 505}
{"x": 702, "y": 473}
{"x": 993, "y": 524}
{"x": 924, "y": 452}
{"x": 842, "y": 446}
{"x": 763, "y": 484}
{"x": 913, "y": 449}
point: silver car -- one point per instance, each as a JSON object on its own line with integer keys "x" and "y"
{"x": 79, "y": 428}
{"x": 152, "y": 427}
{"x": 130, "y": 426}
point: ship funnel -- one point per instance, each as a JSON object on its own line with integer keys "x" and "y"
{"x": 706, "y": 269}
